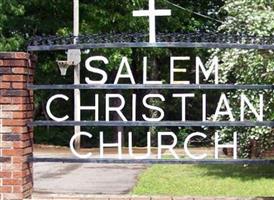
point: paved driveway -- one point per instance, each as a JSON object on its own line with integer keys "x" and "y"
{"x": 85, "y": 178}
{"x": 88, "y": 178}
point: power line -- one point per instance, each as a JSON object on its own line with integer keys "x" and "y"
{"x": 190, "y": 11}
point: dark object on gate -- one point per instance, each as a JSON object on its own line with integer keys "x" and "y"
{"x": 254, "y": 149}
{"x": 228, "y": 152}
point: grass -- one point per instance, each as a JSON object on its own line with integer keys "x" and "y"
{"x": 207, "y": 180}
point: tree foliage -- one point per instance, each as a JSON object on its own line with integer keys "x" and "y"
{"x": 253, "y": 17}
{"x": 22, "y": 19}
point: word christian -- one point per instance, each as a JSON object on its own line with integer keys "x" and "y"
{"x": 124, "y": 73}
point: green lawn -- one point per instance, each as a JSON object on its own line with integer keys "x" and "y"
{"x": 207, "y": 180}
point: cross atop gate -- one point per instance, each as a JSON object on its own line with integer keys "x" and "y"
{"x": 152, "y": 13}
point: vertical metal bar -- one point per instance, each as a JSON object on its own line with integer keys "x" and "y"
{"x": 77, "y": 98}
{"x": 75, "y": 19}
{"x": 1, "y": 123}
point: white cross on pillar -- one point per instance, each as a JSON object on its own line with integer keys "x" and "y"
{"x": 152, "y": 13}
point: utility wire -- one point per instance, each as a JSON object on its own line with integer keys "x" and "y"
{"x": 190, "y": 11}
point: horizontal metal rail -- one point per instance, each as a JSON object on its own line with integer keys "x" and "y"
{"x": 135, "y": 40}
{"x": 156, "y": 86}
{"x": 155, "y": 124}
{"x": 207, "y": 45}
{"x": 149, "y": 161}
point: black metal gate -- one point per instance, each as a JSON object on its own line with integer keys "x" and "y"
{"x": 170, "y": 40}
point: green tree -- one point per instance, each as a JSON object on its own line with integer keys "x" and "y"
{"x": 22, "y": 19}
{"x": 10, "y": 37}
{"x": 253, "y": 17}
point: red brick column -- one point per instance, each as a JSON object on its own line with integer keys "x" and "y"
{"x": 16, "y": 138}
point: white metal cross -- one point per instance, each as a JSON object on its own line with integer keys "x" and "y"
{"x": 152, "y": 13}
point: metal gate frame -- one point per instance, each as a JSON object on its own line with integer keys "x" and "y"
{"x": 168, "y": 40}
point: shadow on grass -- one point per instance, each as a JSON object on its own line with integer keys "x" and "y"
{"x": 243, "y": 172}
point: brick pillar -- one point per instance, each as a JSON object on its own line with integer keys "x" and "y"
{"x": 16, "y": 138}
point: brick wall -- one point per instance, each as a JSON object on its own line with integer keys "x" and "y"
{"x": 16, "y": 138}
{"x": 269, "y": 153}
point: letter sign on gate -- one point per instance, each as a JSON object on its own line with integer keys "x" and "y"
{"x": 206, "y": 70}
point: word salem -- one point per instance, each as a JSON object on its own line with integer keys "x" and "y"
{"x": 125, "y": 72}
